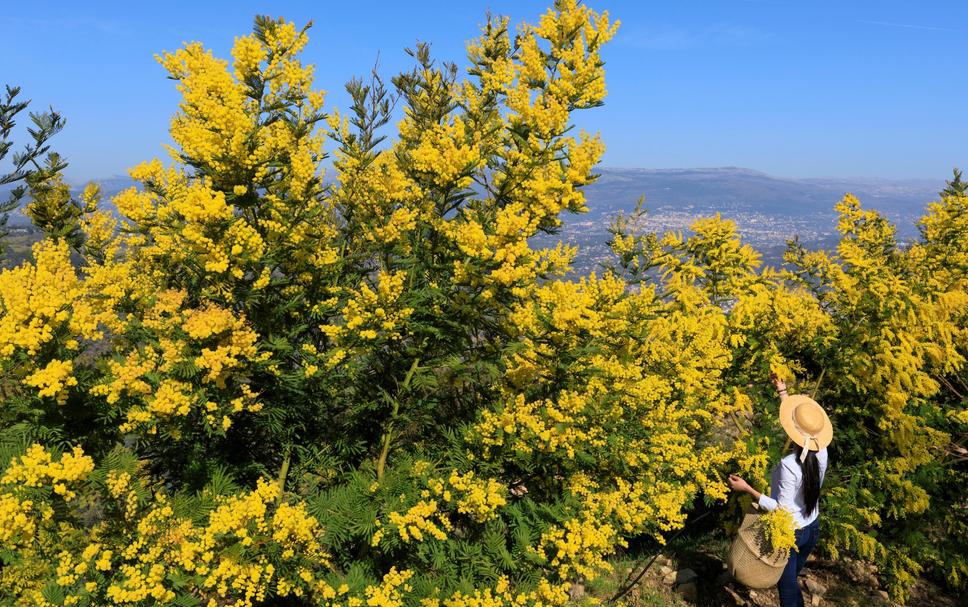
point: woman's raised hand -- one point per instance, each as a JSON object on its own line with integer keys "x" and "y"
{"x": 780, "y": 385}
{"x": 736, "y": 483}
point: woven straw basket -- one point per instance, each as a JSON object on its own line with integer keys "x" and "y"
{"x": 746, "y": 561}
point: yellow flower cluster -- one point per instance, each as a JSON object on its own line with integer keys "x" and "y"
{"x": 503, "y": 260}
{"x": 779, "y": 530}
{"x": 479, "y": 498}
{"x": 245, "y": 519}
{"x": 247, "y": 53}
{"x": 384, "y": 201}
{"x": 579, "y": 547}
{"x": 38, "y": 467}
{"x": 467, "y": 494}
{"x": 370, "y": 314}
{"x": 36, "y": 299}
{"x": 942, "y": 258}
{"x": 280, "y": 554}
{"x": 223, "y": 127}
{"x": 211, "y": 97}
{"x": 424, "y": 517}
{"x": 117, "y": 483}
{"x": 45, "y": 303}
{"x": 180, "y": 218}
{"x": 232, "y": 342}
{"x": 127, "y": 376}
{"x": 53, "y": 380}
{"x": 610, "y": 512}
{"x": 549, "y": 426}
{"x": 552, "y": 69}
{"x": 389, "y": 593}
{"x": 503, "y": 594}
{"x": 19, "y": 520}
{"x": 636, "y": 383}
{"x": 768, "y": 320}
{"x": 448, "y": 154}
{"x": 220, "y": 344}
{"x": 573, "y": 308}
{"x": 171, "y": 398}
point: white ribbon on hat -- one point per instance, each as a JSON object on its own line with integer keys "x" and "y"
{"x": 806, "y": 439}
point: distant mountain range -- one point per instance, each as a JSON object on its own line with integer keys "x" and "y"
{"x": 731, "y": 188}
{"x": 767, "y": 209}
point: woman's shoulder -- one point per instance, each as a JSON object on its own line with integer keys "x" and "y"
{"x": 790, "y": 463}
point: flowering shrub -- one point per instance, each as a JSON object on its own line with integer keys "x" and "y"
{"x": 258, "y": 385}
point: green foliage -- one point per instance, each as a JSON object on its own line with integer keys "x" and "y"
{"x": 955, "y": 186}
{"x": 25, "y": 163}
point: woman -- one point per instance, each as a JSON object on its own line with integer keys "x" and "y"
{"x": 795, "y": 482}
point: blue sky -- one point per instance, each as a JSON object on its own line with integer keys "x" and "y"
{"x": 794, "y": 88}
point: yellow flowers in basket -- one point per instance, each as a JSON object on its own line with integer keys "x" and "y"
{"x": 762, "y": 547}
{"x": 779, "y": 530}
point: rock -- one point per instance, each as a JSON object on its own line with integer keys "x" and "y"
{"x": 669, "y": 578}
{"x": 815, "y": 600}
{"x": 665, "y": 570}
{"x": 518, "y": 490}
{"x": 815, "y": 587}
{"x": 684, "y": 576}
{"x": 688, "y": 591}
{"x": 577, "y": 590}
{"x": 737, "y": 599}
{"x": 884, "y": 595}
{"x": 685, "y": 581}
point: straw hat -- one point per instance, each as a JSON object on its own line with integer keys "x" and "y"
{"x": 806, "y": 423}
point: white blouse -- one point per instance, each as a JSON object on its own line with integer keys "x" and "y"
{"x": 786, "y": 484}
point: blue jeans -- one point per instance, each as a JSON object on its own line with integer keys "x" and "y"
{"x": 790, "y": 595}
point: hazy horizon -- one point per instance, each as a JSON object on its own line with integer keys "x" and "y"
{"x": 76, "y": 180}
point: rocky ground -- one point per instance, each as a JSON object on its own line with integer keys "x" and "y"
{"x": 699, "y": 578}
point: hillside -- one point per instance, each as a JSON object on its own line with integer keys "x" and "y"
{"x": 767, "y": 209}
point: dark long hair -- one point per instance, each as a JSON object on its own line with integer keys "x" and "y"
{"x": 811, "y": 478}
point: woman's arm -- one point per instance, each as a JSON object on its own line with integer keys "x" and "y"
{"x": 786, "y": 496}
{"x": 780, "y": 386}
{"x": 738, "y": 484}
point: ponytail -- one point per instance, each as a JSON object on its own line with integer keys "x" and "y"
{"x": 810, "y": 468}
